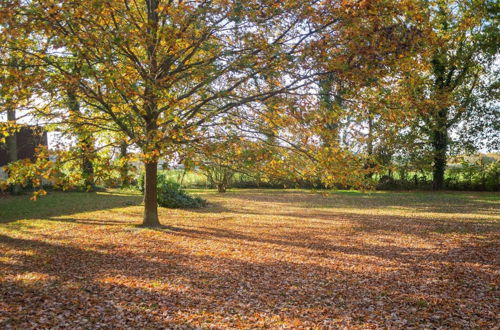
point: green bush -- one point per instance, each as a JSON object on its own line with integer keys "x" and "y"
{"x": 171, "y": 195}
{"x": 161, "y": 179}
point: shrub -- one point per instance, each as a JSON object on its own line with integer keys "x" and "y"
{"x": 161, "y": 179}
{"x": 171, "y": 195}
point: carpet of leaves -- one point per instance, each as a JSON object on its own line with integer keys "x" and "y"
{"x": 253, "y": 259}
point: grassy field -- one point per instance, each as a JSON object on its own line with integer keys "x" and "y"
{"x": 253, "y": 258}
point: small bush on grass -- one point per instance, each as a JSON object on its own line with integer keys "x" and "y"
{"x": 171, "y": 195}
{"x": 161, "y": 179}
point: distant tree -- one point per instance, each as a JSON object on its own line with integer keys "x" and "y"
{"x": 85, "y": 139}
{"x": 464, "y": 47}
{"x": 360, "y": 105}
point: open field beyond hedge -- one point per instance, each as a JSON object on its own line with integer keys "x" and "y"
{"x": 253, "y": 258}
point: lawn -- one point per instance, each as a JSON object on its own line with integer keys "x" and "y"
{"x": 253, "y": 258}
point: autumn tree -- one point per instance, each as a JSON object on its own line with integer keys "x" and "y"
{"x": 164, "y": 72}
{"x": 75, "y": 125}
{"x": 465, "y": 45}
{"x": 371, "y": 47}
{"x": 228, "y": 154}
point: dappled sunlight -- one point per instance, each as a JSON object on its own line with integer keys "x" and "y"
{"x": 29, "y": 278}
{"x": 460, "y": 207}
{"x": 135, "y": 282}
{"x": 247, "y": 260}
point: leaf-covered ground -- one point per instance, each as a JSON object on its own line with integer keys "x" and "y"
{"x": 272, "y": 259}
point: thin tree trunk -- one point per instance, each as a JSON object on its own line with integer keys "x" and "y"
{"x": 369, "y": 147}
{"x": 87, "y": 146}
{"x": 12, "y": 147}
{"x": 440, "y": 146}
{"x": 150, "y": 195}
{"x": 329, "y": 106}
{"x": 369, "y": 141}
{"x": 182, "y": 177}
{"x": 125, "y": 180}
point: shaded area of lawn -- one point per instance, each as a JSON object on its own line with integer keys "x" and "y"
{"x": 63, "y": 203}
{"x": 253, "y": 259}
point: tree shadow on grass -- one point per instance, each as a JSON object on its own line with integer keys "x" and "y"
{"x": 316, "y": 245}
{"x": 147, "y": 287}
{"x": 87, "y": 221}
{"x": 142, "y": 288}
{"x": 63, "y": 203}
{"x": 411, "y": 223}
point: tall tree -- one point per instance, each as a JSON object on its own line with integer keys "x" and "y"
{"x": 164, "y": 72}
{"x": 362, "y": 59}
{"x": 15, "y": 93}
{"x": 466, "y": 39}
{"x": 85, "y": 140}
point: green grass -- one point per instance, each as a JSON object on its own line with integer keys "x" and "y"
{"x": 458, "y": 204}
{"x": 60, "y": 203}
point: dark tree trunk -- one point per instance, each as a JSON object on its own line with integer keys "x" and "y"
{"x": 150, "y": 195}
{"x": 329, "y": 106}
{"x": 125, "y": 180}
{"x": 369, "y": 148}
{"x": 151, "y": 109}
{"x": 440, "y": 146}
{"x": 87, "y": 145}
{"x": 12, "y": 147}
{"x": 221, "y": 188}
{"x": 439, "y": 129}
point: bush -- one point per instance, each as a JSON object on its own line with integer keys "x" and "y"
{"x": 172, "y": 196}
{"x": 161, "y": 179}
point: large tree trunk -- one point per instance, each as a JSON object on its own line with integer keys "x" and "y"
{"x": 440, "y": 146}
{"x": 12, "y": 147}
{"x": 150, "y": 195}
